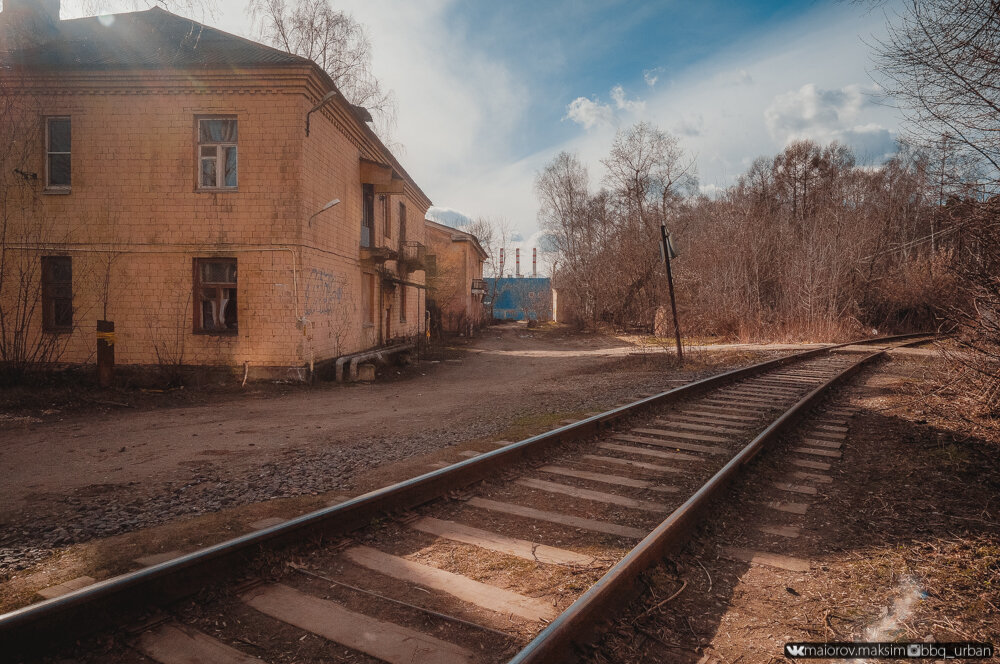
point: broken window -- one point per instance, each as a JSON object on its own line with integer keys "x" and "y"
{"x": 58, "y": 139}
{"x": 57, "y": 293}
{"x": 215, "y": 295}
{"x": 217, "y": 160}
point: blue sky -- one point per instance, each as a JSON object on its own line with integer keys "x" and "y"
{"x": 489, "y": 91}
{"x": 567, "y": 47}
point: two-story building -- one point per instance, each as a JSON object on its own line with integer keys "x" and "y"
{"x": 217, "y": 199}
{"x": 455, "y": 278}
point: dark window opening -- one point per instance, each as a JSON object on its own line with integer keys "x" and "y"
{"x": 367, "y": 214}
{"x": 57, "y": 293}
{"x": 58, "y": 141}
{"x": 215, "y": 295}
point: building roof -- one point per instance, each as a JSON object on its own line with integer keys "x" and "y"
{"x": 457, "y": 235}
{"x": 157, "y": 39}
{"x": 151, "y": 39}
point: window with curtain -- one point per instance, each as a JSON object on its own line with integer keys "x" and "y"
{"x": 215, "y": 295}
{"x": 217, "y": 155}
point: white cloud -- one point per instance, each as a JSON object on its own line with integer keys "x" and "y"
{"x": 810, "y": 109}
{"x": 690, "y": 125}
{"x": 625, "y": 104}
{"x": 651, "y": 76}
{"x": 589, "y": 113}
{"x": 824, "y": 115}
{"x": 460, "y": 111}
{"x": 447, "y": 216}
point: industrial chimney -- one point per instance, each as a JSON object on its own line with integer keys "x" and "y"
{"x": 534, "y": 261}
{"x": 517, "y": 262}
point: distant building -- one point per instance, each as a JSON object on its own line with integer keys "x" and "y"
{"x": 455, "y": 286}
{"x": 520, "y": 298}
{"x": 181, "y": 182}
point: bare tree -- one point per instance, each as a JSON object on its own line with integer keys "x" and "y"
{"x": 334, "y": 40}
{"x": 495, "y": 237}
{"x": 23, "y": 345}
{"x": 196, "y": 8}
{"x": 941, "y": 65}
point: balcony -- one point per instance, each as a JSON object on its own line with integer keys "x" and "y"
{"x": 413, "y": 257}
{"x": 478, "y": 286}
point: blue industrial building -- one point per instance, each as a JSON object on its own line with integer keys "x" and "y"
{"x": 520, "y": 298}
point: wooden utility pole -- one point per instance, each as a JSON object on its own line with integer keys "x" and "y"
{"x": 665, "y": 250}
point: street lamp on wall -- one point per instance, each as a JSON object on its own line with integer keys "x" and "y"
{"x": 323, "y": 209}
{"x": 327, "y": 97}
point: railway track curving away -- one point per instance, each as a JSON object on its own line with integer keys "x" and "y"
{"x": 518, "y": 555}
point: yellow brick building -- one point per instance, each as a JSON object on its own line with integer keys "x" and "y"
{"x": 175, "y": 179}
{"x": 455, "y": 277}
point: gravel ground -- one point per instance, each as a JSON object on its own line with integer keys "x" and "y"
{"x": 51, "y": 520}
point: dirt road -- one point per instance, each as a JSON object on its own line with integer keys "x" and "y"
{"x": 87, "y": 476}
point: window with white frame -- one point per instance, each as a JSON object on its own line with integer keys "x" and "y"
{"x": 58, "y": 140}
{"x": 217, "y": 159}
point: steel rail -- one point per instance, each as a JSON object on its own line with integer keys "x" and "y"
{"x": 46, "y": 624}
{"x": 581, "y": 622}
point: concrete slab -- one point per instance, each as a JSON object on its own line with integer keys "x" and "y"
{"x": 728, "y": 426}
{"x": 157, "y": 558}
{"x": 768, "y": 559}
{"x": 671, "y": 444}
{"x": 469, "y": 453}
{"x": 383, "y": 640}
{"x": 812, "y": 450}
{"x": 781, "y": 531}
{"x": 683, "y": 423}
{"x": 722, "y": 416}
{"x": 791, "y": 508}
{"x": 557, "y": 518}
{"x": 796, "y": 488}
{"x": 597, "y": 496}
{"x": 267, "y": 523}
{"x": 597, "y": 477}
{"x": 653, "y": 467}
{"x": 816, "y": 432}
{"x": 484, "y": 539}
{"x": 642, "y": 451}
{"x": 173, "y": 643}
{"x": 66, "y": 587}
{"x": 805, "y": 463}
{"x": 482, "y": 595}
{"x": 685, "y": 435}
{"x": 813, "y": 477}
{"x": 815, "y": 442}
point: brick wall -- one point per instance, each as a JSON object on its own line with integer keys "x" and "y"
{"x": 135, "y": 213}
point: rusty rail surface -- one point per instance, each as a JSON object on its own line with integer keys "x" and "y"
{"x": 49, "y": 623}
{"x": 581, "y": 622}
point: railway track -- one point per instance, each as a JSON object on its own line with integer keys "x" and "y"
{"x": 518, "y": 555}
